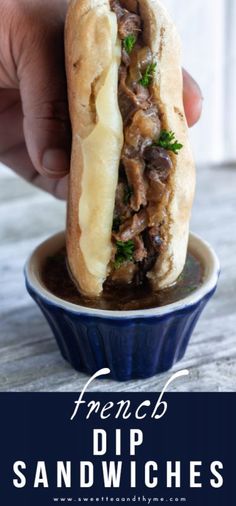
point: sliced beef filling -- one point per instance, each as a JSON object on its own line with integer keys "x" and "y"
{"x": 128, "y": 24}
{"x": 145, "y": 167}
{"x": 131, "y": 98}
{"x": 134, "y": 169}
{"x": 130, "y": 5}
{"x": 132, "y": 227}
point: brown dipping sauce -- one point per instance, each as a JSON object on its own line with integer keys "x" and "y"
{"x": 57, "y": 280}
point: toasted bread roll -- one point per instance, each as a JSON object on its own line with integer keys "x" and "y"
{"x": 132, "y": 174}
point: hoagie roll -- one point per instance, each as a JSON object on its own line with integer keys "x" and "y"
{"x": 132, "y": 175}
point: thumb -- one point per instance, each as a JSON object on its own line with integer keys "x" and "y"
{"x": 193, "y": 99}
{"x": 43, "y": 91}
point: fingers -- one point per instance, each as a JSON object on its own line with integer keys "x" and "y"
{"x": 11, "y": 132}
{"x": 19, "y": 160}
{"x": 193, "y": 99}
{"x": 43, "y": 89}
{"x": 57, "y": 187}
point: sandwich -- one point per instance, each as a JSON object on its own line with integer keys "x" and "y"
{"x": 132, "y": 175}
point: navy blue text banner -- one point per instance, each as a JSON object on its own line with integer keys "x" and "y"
{"x": 117, "y": 448}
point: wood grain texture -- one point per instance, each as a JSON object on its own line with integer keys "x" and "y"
{"x": 29, "y": 357}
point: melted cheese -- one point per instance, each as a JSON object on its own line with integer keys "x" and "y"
{"x": 101, "y": 156}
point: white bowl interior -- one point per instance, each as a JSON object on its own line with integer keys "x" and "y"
{"x": 201, "y": 249}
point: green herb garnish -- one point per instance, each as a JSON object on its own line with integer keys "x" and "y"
{"x": 127, "y": 194}
{"x": 129, "y": 43}
{"x": 148, "y": 75}
{"x": 168, "y": 141}
{"x": 116, "y": 224}
{"x": 124, "y": 253}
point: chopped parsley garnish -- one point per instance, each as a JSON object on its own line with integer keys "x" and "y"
{"x": 124, "y": 253}
{"x": 116, "y": 224}
{"x": 129, "y": 43}
{"x": 127, "y": 194}
{"x": 168, "y": 141}
{"x": 148, "y": 75}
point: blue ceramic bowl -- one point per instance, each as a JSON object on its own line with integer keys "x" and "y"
{"x": 132, "y": 344}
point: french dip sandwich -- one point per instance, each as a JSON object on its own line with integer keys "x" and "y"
{"x": 132, "y": 173}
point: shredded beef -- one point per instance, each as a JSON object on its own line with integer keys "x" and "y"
{"x": 129, "y": 24}
{"x": 155, "y": 192}
{"x": 140, "y": 58}
{"x": 130, "y": 99}
{"x": 153, "y": 244}
{"x": 145, "y": 167}
{"x": 143, "y": 130}
{"x": 156, "y": 214}
{"x": 121, "y": 202}
{"x": 116, "y": 7}
{"x": 142, "y": 93}
{"x": 148, "y": 263}
{"x": 125, "y": 274}
{"x": 132, "y": 227}
{"x": 155, "y": 238}
{"x": 130, "y": 5}
{"x": 156, "y": 188}
{"x": 140, "y": 251}
{"x": 134, "y": 169}
{"x": 125, "y": 57}
{"x": 157, "y": 159}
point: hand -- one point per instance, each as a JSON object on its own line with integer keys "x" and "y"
{"x": 34, "y": 122}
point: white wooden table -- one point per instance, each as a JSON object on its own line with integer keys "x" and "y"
{"x": 29, "y": 357}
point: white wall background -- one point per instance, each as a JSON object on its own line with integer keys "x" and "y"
{"x": 208, "y": 32}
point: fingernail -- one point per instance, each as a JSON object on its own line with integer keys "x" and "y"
{"x": 56, "y": 162}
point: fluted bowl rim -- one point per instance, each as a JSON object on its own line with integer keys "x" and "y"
{"x": 202, "y": 249}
